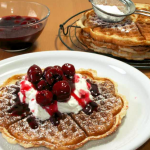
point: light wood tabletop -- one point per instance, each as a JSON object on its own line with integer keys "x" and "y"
{"x": 60, "y": 11}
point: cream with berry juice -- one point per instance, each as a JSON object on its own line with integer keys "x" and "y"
{"x": 55, "y": 91}
{"x": 19, "y": 32}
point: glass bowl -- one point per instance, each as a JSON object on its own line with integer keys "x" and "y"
{"x": 21, "y": 23}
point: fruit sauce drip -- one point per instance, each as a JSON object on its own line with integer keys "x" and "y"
{"x": 21, "y": 109}
{"x": 94, "y": 89}
{"x": 84, "y": 100}
{"x": 32, "y": 122}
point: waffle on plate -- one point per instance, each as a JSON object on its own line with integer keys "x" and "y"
{"x": 74, "y": 130}
{"x": 129, "y": 39}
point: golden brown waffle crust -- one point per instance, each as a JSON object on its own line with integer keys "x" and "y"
{"x": 89, "y": 73}
{"x": 108, "y": 48}
{"x": 114, "y": 37}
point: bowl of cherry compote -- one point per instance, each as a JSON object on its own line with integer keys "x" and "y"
{"x": 21, "y": 23}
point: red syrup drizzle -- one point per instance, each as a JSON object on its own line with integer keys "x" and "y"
{"x": 20, "y": 109}
{"x": 24, "y": 88}
{"x": 84, "y": 100}
{"x": 52, "y": 109}
{"x": 77, "y": 78}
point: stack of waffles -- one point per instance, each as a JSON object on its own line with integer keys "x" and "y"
{"x": 129, "y": 39}
{"x": 74, "y": 130}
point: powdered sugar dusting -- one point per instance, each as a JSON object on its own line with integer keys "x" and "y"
{"x": 72, "y": 128}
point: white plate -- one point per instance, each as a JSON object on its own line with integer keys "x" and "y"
{"x": 135, "y": 127}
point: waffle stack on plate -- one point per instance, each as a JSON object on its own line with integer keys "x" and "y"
{"x": 129, "y": 39}
{"x": 74, "y": 130}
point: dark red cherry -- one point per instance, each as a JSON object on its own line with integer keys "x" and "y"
{"x": 88, "y": 109}
{"x": 17, "y": 17}
{"x": 55, "y": 118}
{"x": 44, "y": 97}
{"x": 57, "y": 67}
{"x": 32, "y": 122}
{"x": 42, "y": 85}
{"x": 53, "y": 75}
{"x": 28, "y": 18}
{"x": 65, "y": 78}
{"x": 62, "y": 91}
{"x": 46, "y": 69}
{"x": 24, "y": 23}
{"x": 34, "y": 68}
{"x": 34, "y": 74}
{"x": 71, "y": 81}
{"x": 7, "y": 18}
{"x": 68, "y": 69}
{"x": 17, "y": 21}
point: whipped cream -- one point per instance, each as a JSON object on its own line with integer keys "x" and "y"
{"x": 27, "y": 95}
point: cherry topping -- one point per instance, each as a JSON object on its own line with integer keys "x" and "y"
{"x": 53, "y": 75}
{"x": 57, "y": 67}
{"x": 24, "y": 22}
{"x": 34, "y": 73}
{"x": 18, "y": 109}
{"x": 7, "y": 18}
{"x": 44, "y": 98}
{"x": 17, "y": 21}
{"x": 28, "y": 18}
{"x": 88, "y": 109}
{"x": 93, "y": 88}
{"x": 46, "y": 69}
{"x": 62, "y": 91}
{"x": 32, "y": 122}
{"x": 17, "y": 17}
{"x": 42, "y": 85}
{"x": 68, "y": 69}
{"x": 55, "y": 118}
{"x": 92, "y": 106}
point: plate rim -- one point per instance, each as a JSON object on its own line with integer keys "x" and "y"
{"x": 135, "y": 143}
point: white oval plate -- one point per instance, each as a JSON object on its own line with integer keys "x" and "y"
{"x": 135, "y": 127}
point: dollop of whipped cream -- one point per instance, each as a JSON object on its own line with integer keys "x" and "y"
{"x": 27, "y": 95}
{"x": 80, "y": 97}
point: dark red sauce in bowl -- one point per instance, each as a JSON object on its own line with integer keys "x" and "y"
{"x": 18, "y": 33}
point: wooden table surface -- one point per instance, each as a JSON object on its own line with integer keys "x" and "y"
{"x": 61, "y": 10}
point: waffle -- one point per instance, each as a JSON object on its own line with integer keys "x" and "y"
{"x": 127, "y": 39}
{"x": 74, "y": 130}
{"x": 130, "y": 53}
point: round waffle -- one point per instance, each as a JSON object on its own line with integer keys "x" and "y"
{"x": 74, "y": 130}
{"x": 127, "y": 39}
